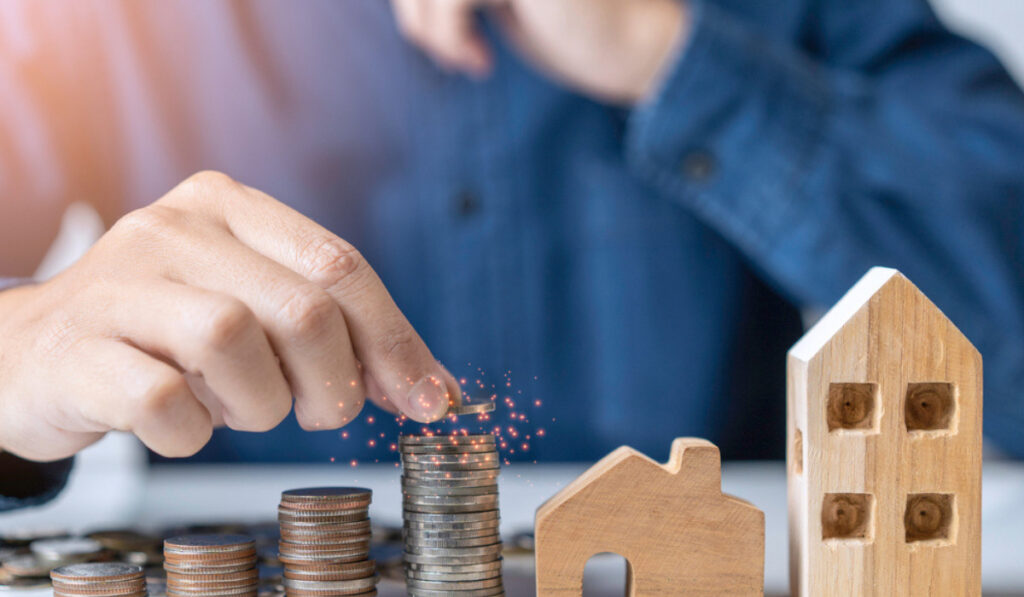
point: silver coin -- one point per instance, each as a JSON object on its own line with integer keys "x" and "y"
{"x": 454, "y": 585}
{"x": 447, "y": 543}
{"x": 317, "y": 494}
{"x": 427, "y": 491}
{"x": 428, "y": 517}
{"x": 430, "y": 509}
{"x": 453, "y": 527}
{"x": 453, "y": 500}
{"x": 97, "y": 571}
{"x": 477, "y": 408}
{"x": 448, "y": 449}
{"x": 66, "y": 550}
{"x": 458, "y": 552}
{"x": 450, "y": 478}
{"x": 208, "y": 543}
{"x": 226, "y": 592}
{"x": 451, "y": 576}
{"x": 475, "y": 457}
{"x": 28, "y": 565}
{"x": 24, "y": 583}
{"x": 479, "y": 567}
{"x": 332, "y": 585}
{"x": 446, "y": 440}
{"x": 342, "y": 526}
{"x": 495, "y": 592}
{"x": 208, "y": 568}
{"x": 356, "y": 515}
{"x": 446, "y": 560}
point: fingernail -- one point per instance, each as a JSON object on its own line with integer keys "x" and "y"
{"x": 428, "y": 398}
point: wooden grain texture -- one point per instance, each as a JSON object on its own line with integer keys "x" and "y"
{"x": 884, "y": 421}
{"x": 678, "y": 532}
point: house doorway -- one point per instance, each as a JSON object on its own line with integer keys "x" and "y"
{"x": 606, "y": 575}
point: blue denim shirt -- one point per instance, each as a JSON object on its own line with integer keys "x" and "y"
{"x": 636, "y": 270}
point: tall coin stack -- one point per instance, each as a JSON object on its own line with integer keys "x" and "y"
{"x": 100, "y": 579}
{"x": 211, "y": 566}
{"x": 450, "y": 507}
{"x": 325, "y": 542}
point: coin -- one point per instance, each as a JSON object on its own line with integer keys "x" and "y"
{"x": 98, "y": 579}
{"x": 450, "y": 513}
{"x": 211, "y": 565}
{"x": 125, "y": 540}
{"x": 333, "y": 494}
{"x": 477, "y": 408}
{"x": 66, "y": 551}
{"x": 325, "y": 542}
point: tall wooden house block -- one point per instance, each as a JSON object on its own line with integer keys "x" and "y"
{"x": 884, "y": 458}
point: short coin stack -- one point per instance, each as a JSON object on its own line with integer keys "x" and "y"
{"x": 100, "y": 579}
{"x": 450, "y": 507}
{"x": 210, "y": 566}
{"x": 325, "y": 542}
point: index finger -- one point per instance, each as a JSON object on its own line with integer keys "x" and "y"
{"x": 382, "y": 338}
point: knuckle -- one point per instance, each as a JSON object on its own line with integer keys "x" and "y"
{"x": 209, "y": 180}
{"x": 161, "y": 397}
{"x": 347, "y": 410}
{"x": 308, "y": 312}
{"x": 155, "y": 221}
{"x": 398, "y": 345}
{"x": 227, "y": 325}
{"x": 331, "y": 262}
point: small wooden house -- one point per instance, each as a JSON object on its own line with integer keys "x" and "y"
{"x": 884, "y": 459}
{"x": 678, "y": 533}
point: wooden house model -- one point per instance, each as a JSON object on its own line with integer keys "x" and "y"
{"x": 678, "y": 533}
{"x": 884, "y": 458}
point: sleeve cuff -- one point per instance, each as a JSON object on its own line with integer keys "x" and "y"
{"x": 24, "y": 483}
{"x": 732, "y": 130}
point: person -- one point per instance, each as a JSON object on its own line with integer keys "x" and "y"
{"x": 616, "y": 209}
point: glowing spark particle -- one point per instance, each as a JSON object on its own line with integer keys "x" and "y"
{"x": 344, "y": 435}
{"x": 370, "y": 419}
{"x": 353, "y": 463}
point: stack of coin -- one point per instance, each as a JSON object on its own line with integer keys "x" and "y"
{"x": 325, "y": 542}
{"x": 210, "y": 565}
{"x": 100, "y": 579}
{"x": 450, "y": 507}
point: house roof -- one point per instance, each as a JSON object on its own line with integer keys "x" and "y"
{"x": 856, "y": 299}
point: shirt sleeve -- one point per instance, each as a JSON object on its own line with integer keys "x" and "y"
{"x": 24, "y": 483}
{"x": 893, "y": 142}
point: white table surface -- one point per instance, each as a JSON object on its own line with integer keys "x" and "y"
{"x": 123, "y": 491}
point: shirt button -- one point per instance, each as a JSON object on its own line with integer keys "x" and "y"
{"x": 467, "y": 203}
{"x": 698, "y": 165}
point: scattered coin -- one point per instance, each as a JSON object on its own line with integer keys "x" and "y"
{"x": 325, "y": 542}
{"x": 450, "y": 508}
{"x": 66, "y": 551}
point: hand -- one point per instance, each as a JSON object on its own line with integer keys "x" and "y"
{"x": 215, "y": 305}
{"x": 614, "y": 50}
